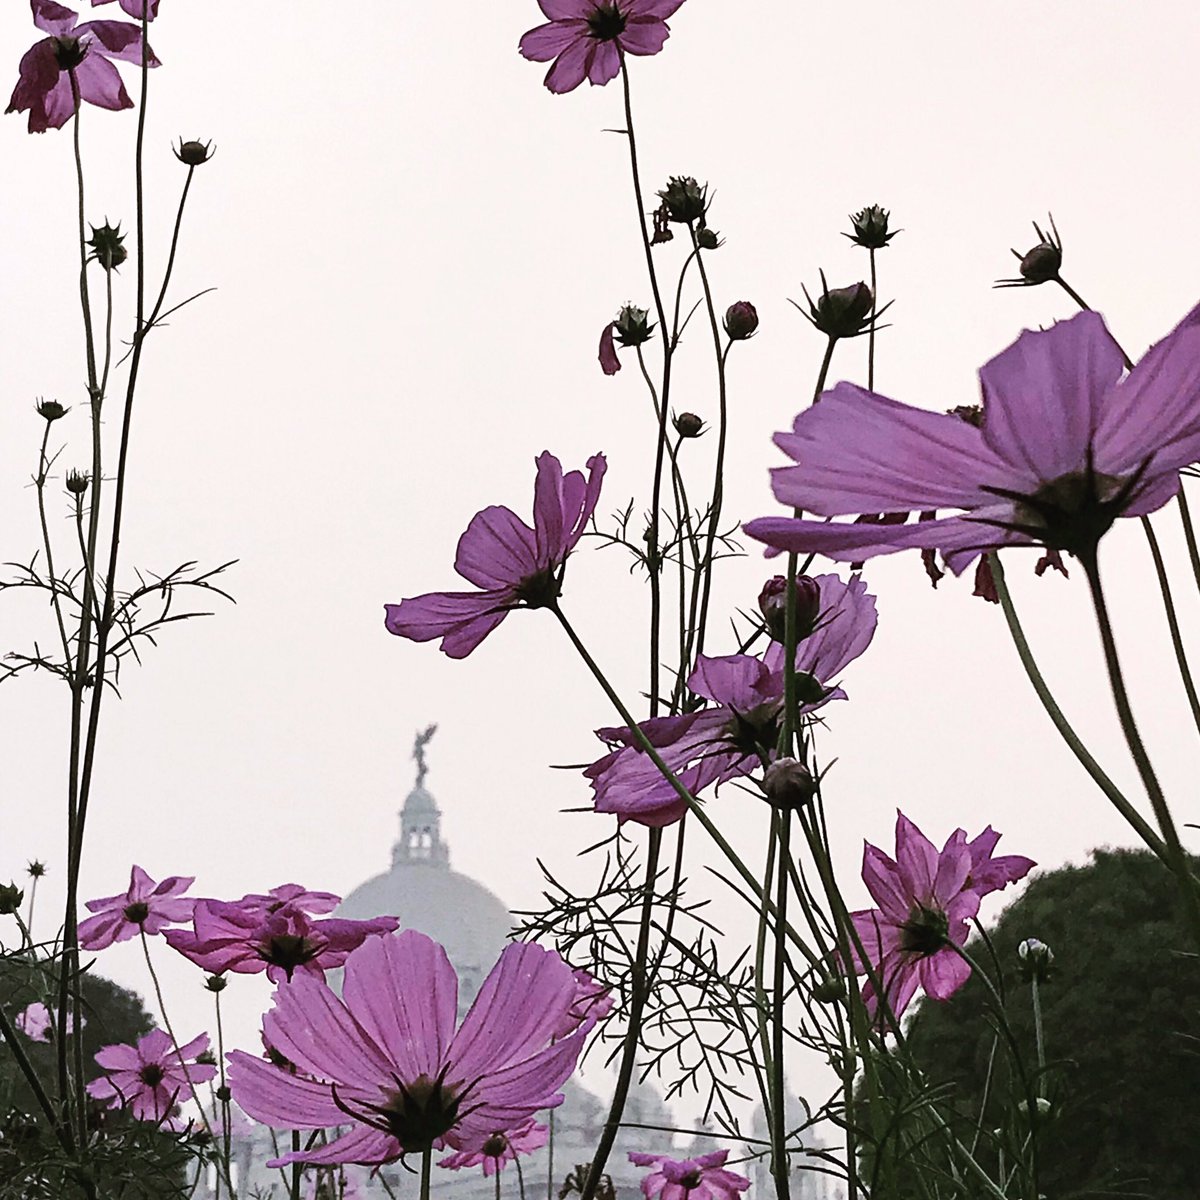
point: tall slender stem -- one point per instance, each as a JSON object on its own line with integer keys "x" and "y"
{"x": 1176, "y": 858}
{"x": 426, "y": 1171}
{"x": 871, "y": 327}
{"x": 779, "y": 1163}
{"x": 824, "y": 371}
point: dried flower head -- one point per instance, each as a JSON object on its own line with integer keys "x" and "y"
{"x": 107, "y": 244}
{"x": 77, "y": 482}
{"x": 1036, "y": 959}
{"x": 51, "y": 410}
{"x": 194, "y": 153}
{"x": 36, "y": 869}
{"x": 1041, "y": 264}
{"x": 842, "y": 312}
{"x": 689, "y": 425}
{"x": 685, "y": 200}
{"x": 10, "y": 899}
{"x": 870, "y": 228}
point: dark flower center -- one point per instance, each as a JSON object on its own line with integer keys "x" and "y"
{"x": 1074, "y": 510}
{"x": 151, "y": 1074}
{"x": 925, "y": 932}
{"x": 136, "y": 912}
{"x": 540, "y": 590}
{"x": 690, "y": 1179}
{"x": 420, "y": 1113}
{"x": 495, "y": 1145}
{"x": 289, "y": 950}
{"x": 755, "y": 732}
{"x": 69, "y": 52}
{"x": 606, "y": 22}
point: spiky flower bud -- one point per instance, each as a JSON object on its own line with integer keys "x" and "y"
{"x": 772, "y": 603}
{"x": 688, "y": 425}
{"x": 828, "y": 990}
{"x": 1036, "y": 959}
{"x": 1042, "y": 264}
{"x": 632, "y": 326}
{"x": 789, "y": 784}
{"x": 77, "y": 482}
{"x": 871, "y": 228}
{"x": 107, "y": 245}
{"x": 194, "y": 153}
{"x": 741, "y": 320}
{"x": 841, "y": 312}
{"x": 51, "y": 410}
{"x": 10, "y": 899}
{"x": 215, "y": 983}
{"x": 685, "y": 200}
{"x": 708, "y": 239}
{"x": 36, "y": 869}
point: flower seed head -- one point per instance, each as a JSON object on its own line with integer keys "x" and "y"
{"x": 10, "y": 899}
{"x": 107, "y": 244}
{"x": 632, "y": 326}
{"x": 789, "y": 784}
{"x": 688, "y": 425}
{"x": 1042, "y": 264}
{"x": 215, "y": 983}
{"x": 51, "y": 410}
{"x": 708, "y": 239}
{"x": 36, "y": 869}
{"x": 194, "y": 153}
{"x": 77, "y": 482}
{"x": 685, "y": 200}
{"x": 741, "y": 321}
{"x": 842, "y": 312}
{"x": 871, "y": 228}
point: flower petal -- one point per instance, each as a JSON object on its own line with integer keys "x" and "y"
{"x": 100, "y": 84}
{"x": 644, "y": 35}
{"x": 549, "y": 41}
{"x": 497, "y": 549}
{"x": 362, "y": 1144}
{"x": 277, "y": 1097}
{"x": 571, "y": 67}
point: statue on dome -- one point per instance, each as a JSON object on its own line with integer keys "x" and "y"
{"x": 419, "y": 744}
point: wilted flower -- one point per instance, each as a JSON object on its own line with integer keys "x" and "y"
{"x": 788, "y": 783}
{"x": 51, "y": 410}
{"x": 925, "y": 897}
{"x": 107, "y": 245}
{"x": 500, "y": 1148}
{"x": 36, "y": 869}
{"x": 150, "y": 1078}
{"x": 685, "y": 200}
{"x": 700, "y": 1178}
{"x": 11, "y": 897}
{"x": 587, "y": 39}
{"x": 1041, "y": 264}
{"x": 870, "y": 228}
{"x": 84, "y": 51}
{"x": 515, "y": 566}
{"x": 741, "y": 321}
{"x": 147, "y": 907}
{"x": 1067, "y": 446}
{"x": 631, "y": 328}
{"x": 842, "y": 312}
{"x": 77, "y": 482}
{"x": 387, "y": 1057}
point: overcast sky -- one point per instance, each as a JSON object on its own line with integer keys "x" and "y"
{"x": 415, "y": 247}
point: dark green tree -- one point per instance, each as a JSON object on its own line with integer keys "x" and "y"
{"x": 1121, "y": 1026}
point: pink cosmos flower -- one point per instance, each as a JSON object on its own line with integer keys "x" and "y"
{"x": 738, "y": 733}
{"x": 701, "y": 1178}
{"x": 500, "y": 1148}
{"x": 37, "y": 1022}
{"x": 134, "y": 8}
{"x": 592, "y": 1003}
{"x": 293, "y": 895}
{"x": 249, "y": 936}
{"x": 514, "y": 565}
{"x": 1066, "y": 445}
{"x": 386, "y": 1057}
{"x": 44, "y": 85}
{"x": 925, "y": 897}
{"x": 587, "y": 39}
{"x": 149, "y": 1079}
{"x": 147, "y": 907}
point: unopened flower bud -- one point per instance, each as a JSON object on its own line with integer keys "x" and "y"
{"x": 685, "y": 200}
{"x": 772, "y": 603}
{"x": 36, "y": 869}
{"x": 216, "y": 983}
{"x": 51, "y": 410}
{"x": 871, "y": 228}
{"x": 828, "y": 990}
{"x": 194, "y": 153}
{"x": 10, "y": 899}
{"x": 107, "y": 244}
{"x": 632, "y": 326}
{"x": 77, "y": 482}
{"x": 708, "y": 239}
{"x": 1041, "y": 264}
{"x": 223, "y": 1094}
{"x": 688, "y": 425}
{"x": 741, "y": 320}
{"x": 971, "y": 413}
{"x": 1036, "y": 959}
{"x": 789, "y": 784}
{"x": 843, "y": 312}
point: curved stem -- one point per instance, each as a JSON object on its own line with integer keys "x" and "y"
{"x": 1189, "y": 531}
{"x": 1142, "y": 827}
{"x": 1176, "y": 858}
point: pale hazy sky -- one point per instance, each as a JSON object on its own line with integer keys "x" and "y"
{"x": 415, "y": 247}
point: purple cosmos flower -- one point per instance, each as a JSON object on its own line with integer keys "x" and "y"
{"x": 1065, "y": 447}
{"x": 149, "y": 1078}
{"x": 387, "y": 1055}
{"x": 925, "y": 897}
{"x": 44, "y": 86}
{"x": 37, "y": 1022}
{"x": 701, "y": 1178}
{"x": 610, "y": 364}
{"x": 514, "y": 565}
{"x": 587, "y": 39}
{"x": 592, "y": 1003}
{"x": 294, "y": 896}
{"x": 737, "y": 734}
{"x": 500, "y": 1148}
{"x": 134, "y": 8}
{"x": 147, "y": 907}
{"x": 283, "y": 941}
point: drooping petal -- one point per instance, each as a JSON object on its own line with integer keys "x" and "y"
{"x": 53, "y": 18}
{"x": 100, "y": 84}
{"x": 549, "y": 41}
{"x": 610, "y": 364}
{"x": 1042, "y": 397}
{"x": 404, "y": 993}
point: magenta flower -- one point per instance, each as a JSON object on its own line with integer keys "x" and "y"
{"x": 37, "y": 1022}
{"x": 134, "y": 8}
{"x": 738, "y": 733}
{"x": 610, "y": 364}
{"x": 149, "y": 1079}
{"x": 249, "y": 936}
{"x": 925, "y": 899}
{"x": 701, "y": 1178}
{"x": 294, "y": 896}
{"x": 44, "y": 85}
{"x": 387, "y": 1059}
{"x": 1066, "y": 446}
{"x": 514, "y": 565}
{"x": 591, "y": 1004}
{"x": 588, "y": 39}
{"x": 147, "y": 907}
{"x": 500, "y": 1148}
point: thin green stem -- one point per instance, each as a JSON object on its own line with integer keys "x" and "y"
{"x": 1144, "y": 830}
{"x": 298, "y": 1170}
{"x": 1038, "y": 1033}
{"x": 1176, "y": 858}
{"x": 62, "y": 1129}
{"x": 1189, "y": 531}
{"x": 426, "y": 1171}
{"x": 55, "y": 603}
{"x": 226, "y": 1124}
{"x": 779, "y": 1163}
{"x": 1066, "y": 287}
